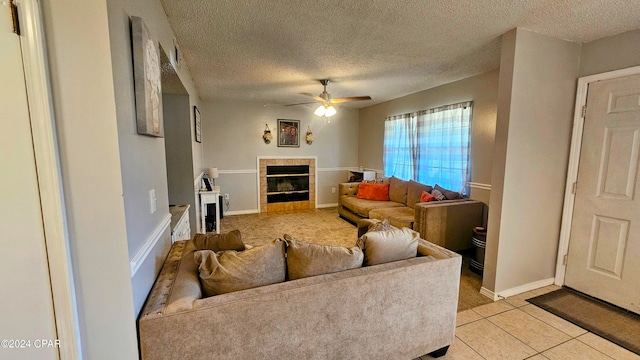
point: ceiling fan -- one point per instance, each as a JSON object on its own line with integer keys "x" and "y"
{"x": 326, "y": 108}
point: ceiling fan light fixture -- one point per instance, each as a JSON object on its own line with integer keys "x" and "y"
{"x": 320, "y": 111}
{"x": 330, "y": 111}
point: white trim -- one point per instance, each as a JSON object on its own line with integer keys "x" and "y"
{"x": 140, "y": 256}
{"x": 574, "y": 160}
{"x": 481, "y": 186}
{"x": 49, "y": 179}
{"x": 336, "y": 169}
{"x": 240, "y": 171}
{"x": 524, "y": 288}
{"x": 488, "y": 293}
{"x": 505, "y": 294}
{"x": 242, "y": 212}
{"x": 321, "y": 206}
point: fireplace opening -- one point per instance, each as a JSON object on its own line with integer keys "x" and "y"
{"x": 287, "y": 183}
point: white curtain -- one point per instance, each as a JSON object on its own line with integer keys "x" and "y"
{"x": 443, "y": 146}
{"x": 431, "y": 146}
{"x": 400, "y": 146}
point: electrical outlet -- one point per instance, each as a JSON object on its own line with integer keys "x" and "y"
{"x": 333, "y": 190}
{"x": 226, "y": 196}
{"x": 152, "y": 201}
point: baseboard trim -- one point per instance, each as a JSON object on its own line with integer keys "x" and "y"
{"x": 488, "y": 293}
{"x": 321, "y": 206}
{"x": 526, "y": 287}
{"x": 139, "y": 258}
{"x": 516, "y": 290}
{"x": 242, "y": 212}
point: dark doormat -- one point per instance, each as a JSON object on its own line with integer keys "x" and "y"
{"x": 615, "y": 324}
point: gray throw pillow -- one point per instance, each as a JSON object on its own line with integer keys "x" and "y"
{"x": 438, "y": 195}
{"x": 385, "y": 246}
{"x": 229, "y": 271}
{"x": 306, "y": 259}
{"x": 450, "y": 195}
{"x": 219, "y": 242}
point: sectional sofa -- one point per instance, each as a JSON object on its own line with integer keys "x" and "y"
{"x": 448, "y": 223}
{"x": 396, "y": 310}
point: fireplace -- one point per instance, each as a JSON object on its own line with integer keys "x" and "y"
{"x": 287, "y": 184}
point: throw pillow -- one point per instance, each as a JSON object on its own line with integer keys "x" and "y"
{"x": 398, "y": 190}
{"x": 219, "y": 242}
{"x": 450, "y": 195}
{"x": 373, "y": 192}
{"x": 382, "y": 225}
{"x": 414, "y": 191}
{"x": 229, "y": 271}
{"x": 385, "y": 246}
{"x": 438, "y": 195}
{"x": 306, "y": 259}
{"x": 426, "y": 197}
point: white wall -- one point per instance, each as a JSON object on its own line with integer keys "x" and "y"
{"x": 232, "y": 141}
{"x": 142, "y": 158}
{"x": 82, "y": 83}
{"x": 536, "y": 97}
{"x": 611, "y": 53}
{"x": 481, "y": 89}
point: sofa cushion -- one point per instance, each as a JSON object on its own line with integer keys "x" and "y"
{"x": 229, "y": 271}
{"x": 398, "y": 216}
{"x": 378, "y": 192}
{"x": 398, "y": 190}
{"x": 414, "y": 191}
{"x": 426, "y": 197}
{"x": 219, "y": 242}
{"x": 450, "y": 195}
{"x": 363, "y": 206}
{"x": 306, "y": 259}
{"x": 386, "y": 246}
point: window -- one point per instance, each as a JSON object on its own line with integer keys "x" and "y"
{"x": 430, "y": 146}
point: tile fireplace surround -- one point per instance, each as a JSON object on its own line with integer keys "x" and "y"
{"x": 291, "y": 205}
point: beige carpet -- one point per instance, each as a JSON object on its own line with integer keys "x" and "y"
{"x": 324, "y": 226}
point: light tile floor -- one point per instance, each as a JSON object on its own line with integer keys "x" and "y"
{"x": 513, "y": 329}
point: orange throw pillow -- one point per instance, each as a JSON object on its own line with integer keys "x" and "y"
{"x": 373, "y": 191}
{"x": 426, "y": 197}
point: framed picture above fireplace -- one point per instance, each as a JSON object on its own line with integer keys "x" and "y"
{"x": 288, "y": 133}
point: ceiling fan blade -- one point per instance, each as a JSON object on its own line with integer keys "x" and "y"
{"x": 313, "y": 96}
{"x": 304, "y": 103}
{"x": 350, "y": 98}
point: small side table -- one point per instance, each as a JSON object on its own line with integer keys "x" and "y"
{"x": 209, "y": 197}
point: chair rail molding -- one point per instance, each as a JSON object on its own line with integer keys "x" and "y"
{"x": 142, "y": 253}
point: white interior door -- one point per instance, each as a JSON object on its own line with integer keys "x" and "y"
{"x": 604, "y": 247}
{"x": 26, "y": 306}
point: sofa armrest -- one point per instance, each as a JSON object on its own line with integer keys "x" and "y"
{"x": 449, "y": 223}
{"x": 349, "y": 189}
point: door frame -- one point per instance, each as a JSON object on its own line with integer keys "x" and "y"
{"x": 49, "y": 177}
{"x": 574, "y": 161}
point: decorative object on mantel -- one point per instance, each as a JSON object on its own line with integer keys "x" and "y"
{"x": 288, "y": 131}
{"x": 198, "y": 125}
{"x": 146, "y": 76}
{"x": 267, "y": 137}
{"x": 309, "y": 137}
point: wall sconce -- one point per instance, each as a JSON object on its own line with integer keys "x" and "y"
{"x": 267, "y": 137}
{"x": 309, "y": 137}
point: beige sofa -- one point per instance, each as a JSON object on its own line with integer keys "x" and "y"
{"x": 447, "y": 223}
{"x": 397, "y": 310}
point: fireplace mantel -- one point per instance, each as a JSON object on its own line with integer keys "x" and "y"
{"x": 280, "y": 205}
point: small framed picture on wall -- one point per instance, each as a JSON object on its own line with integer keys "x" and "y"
{"x": 288, "y": 131}
{"x": 198, "y": 125}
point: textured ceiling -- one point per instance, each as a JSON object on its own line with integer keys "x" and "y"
{"x": 271, "y": 51}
